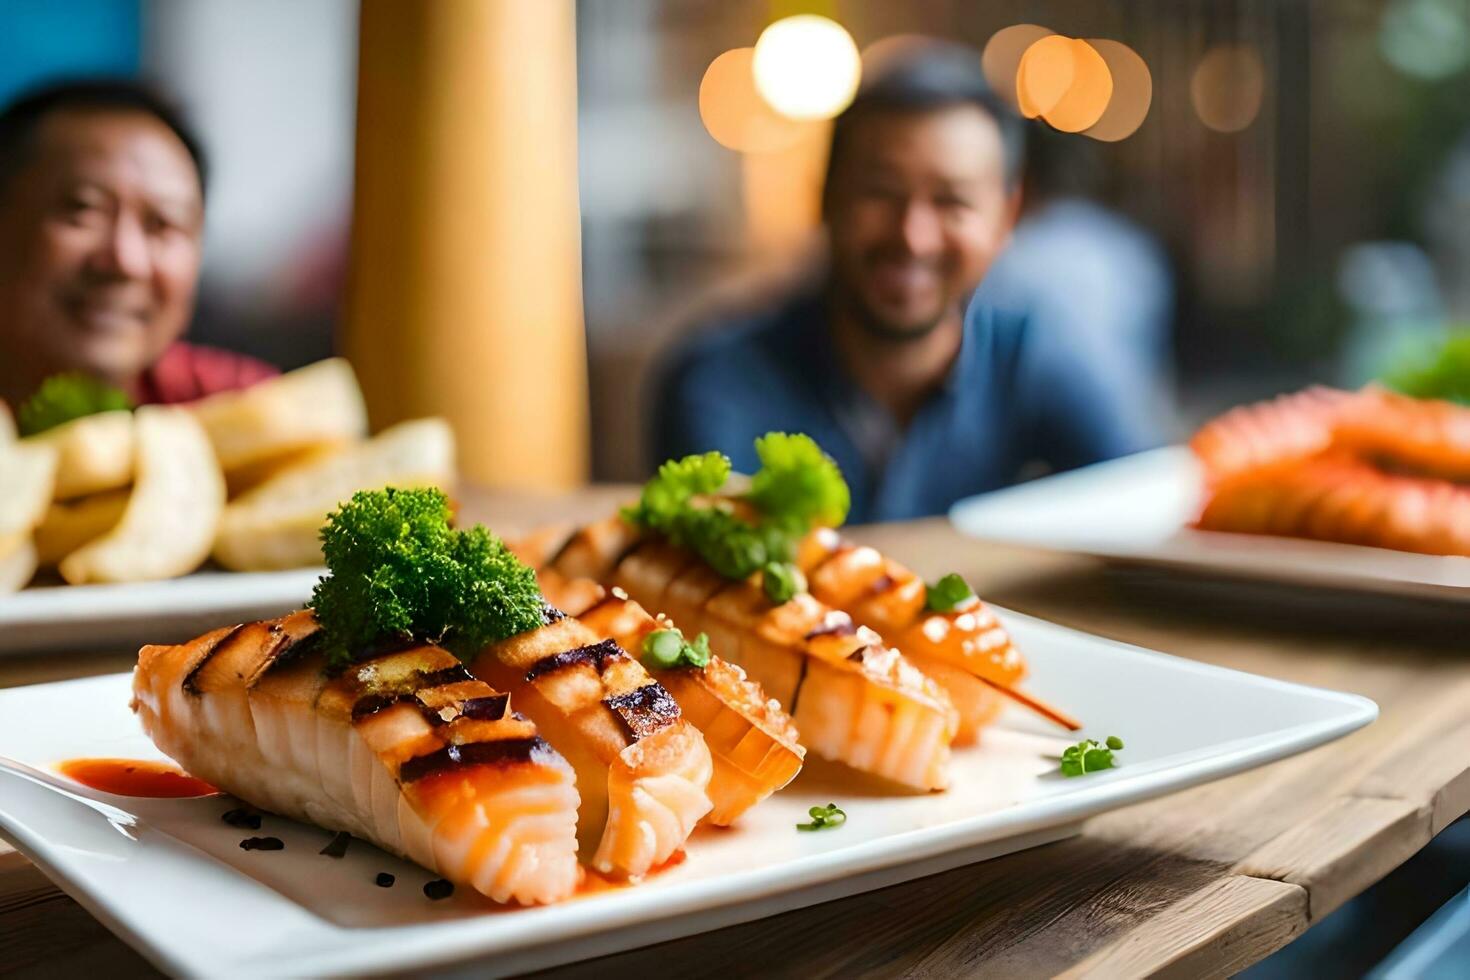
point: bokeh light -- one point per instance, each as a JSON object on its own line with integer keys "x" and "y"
{"x": 1001, "y": 60}
{"x": 1045, "y": 74}
{"x": 1427, "y": 39}
{"x": 1088, "y": 94}
{"x": 807, "y": 67}
{"x": 1133, "y": 90}
{"x": 1228, "y": 86}
{"x": 734, "y": 112}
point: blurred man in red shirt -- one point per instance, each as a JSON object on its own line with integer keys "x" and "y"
{"x": 101, "y": 233}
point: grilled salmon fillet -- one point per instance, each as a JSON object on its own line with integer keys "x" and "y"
{"x": 853, "y": 699}
{"x": 405, "y": 749}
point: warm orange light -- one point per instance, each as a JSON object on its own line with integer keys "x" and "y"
{"x": 1045, "y": 74}
{"x": 734, "y": 112}
{"x": 1133, "y": 89}
{"x": 783, "y": 191}
{"x": 1001, "y": 60}
{"x": 1087, "y": 97}
{"x": 1228, "y": 86}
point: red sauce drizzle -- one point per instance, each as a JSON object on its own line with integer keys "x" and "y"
{"x": 595, "y": 883}
{"x": 135, "y": 777}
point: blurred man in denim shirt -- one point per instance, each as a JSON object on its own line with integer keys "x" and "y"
{"x": 920, "y": 401}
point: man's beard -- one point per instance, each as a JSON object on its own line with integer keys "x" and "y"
{"x": 883, "y": 328}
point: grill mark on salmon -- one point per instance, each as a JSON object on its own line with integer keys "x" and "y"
{"x": 644, "y": 710}
{"x": 455, "y": 757}
{"x": 598, "y": 655}
{"x": 191, "y": 678}
{"x": 800, "y": 683}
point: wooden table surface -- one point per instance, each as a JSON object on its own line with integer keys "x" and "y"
{"x": 1203, "y": 882}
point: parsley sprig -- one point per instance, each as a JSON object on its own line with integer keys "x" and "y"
{"x": 824, "y": 818}
{"x": 1090, "y": 756}
{"x": 397, "y": 571}
{"x": 797, "y": 487}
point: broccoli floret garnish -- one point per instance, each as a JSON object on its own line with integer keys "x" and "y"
{"x": 398, "y": 572}
{"x": 797, "y": 487}
{"x": 64, "y": 397}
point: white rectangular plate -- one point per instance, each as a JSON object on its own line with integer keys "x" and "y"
{"x": 1138, "y": 509}
{"x": 170, "y": 878}
{"x": 53, "y": 617}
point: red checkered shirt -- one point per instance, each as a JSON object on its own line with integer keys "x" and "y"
{"x": 187, "y": 372}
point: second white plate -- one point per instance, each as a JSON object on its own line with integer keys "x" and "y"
{"x": 1138, "y": 509}
{"x": 52, "y": 617}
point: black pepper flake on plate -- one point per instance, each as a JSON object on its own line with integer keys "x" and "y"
{"x": 337, "y": 846}
{"x": 241, "y": 817}
{"x": 262, "y": 844}
{"x": 384, "y": 880}
{"x": 439, "y": 888}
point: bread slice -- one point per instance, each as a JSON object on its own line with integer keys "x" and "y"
{"x": 173, "y": 512}
{"x": 275, "y": 525}
{"x": 320, "y": 403}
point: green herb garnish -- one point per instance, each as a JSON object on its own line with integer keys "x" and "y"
{"x": 396, "y": 571}
{"x": 824, "y": 817}
{"x": 1441, "y": 373}
{"x": 64, "y": 397}
{"x": 948, "y": 594}
{"x": 796, "y": 488}
{"x": 782, "y": 581}
{"x": 1090, "y": 756}
{"x": 797, "y": 482}
{"x": 667, "y": 649}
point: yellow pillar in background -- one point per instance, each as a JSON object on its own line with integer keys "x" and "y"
{"x": 464, "y": 292}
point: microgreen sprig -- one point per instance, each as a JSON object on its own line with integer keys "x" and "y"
{"x": 824, "y": 818}
{"x": 1089, "y": 755}
{"x": 948, "y": 594}
{"x": 666, "y": 649}
{"x": 782, "y": 581}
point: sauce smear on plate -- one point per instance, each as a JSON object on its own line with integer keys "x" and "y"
{"x": 135, "y": 777}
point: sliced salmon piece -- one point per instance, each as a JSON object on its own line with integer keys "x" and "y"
{"x": 642, "y": 769}
{"x": 966, "y": 650}
{"x": 406, "y": 750}
{"x": 1411, "y": 436}
{"x": 853, "y": 700}
{"x": 1284, "y": 428}
{"x": 751, "y": 739}
{"x": 1338, "y": 498}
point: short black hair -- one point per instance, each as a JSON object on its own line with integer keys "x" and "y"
{"x": 20, "y": 120}
{"x": 924, "y": 75}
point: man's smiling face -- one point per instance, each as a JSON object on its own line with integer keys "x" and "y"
{"x": 917, "y": 211}
{"x": 101, "y": 229}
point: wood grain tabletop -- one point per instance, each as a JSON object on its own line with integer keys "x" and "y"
{"x": 1203, "y": 882}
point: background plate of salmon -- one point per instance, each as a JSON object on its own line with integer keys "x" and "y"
{"x": 170, "y": 877}
{"x": 1138, "y": 509}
